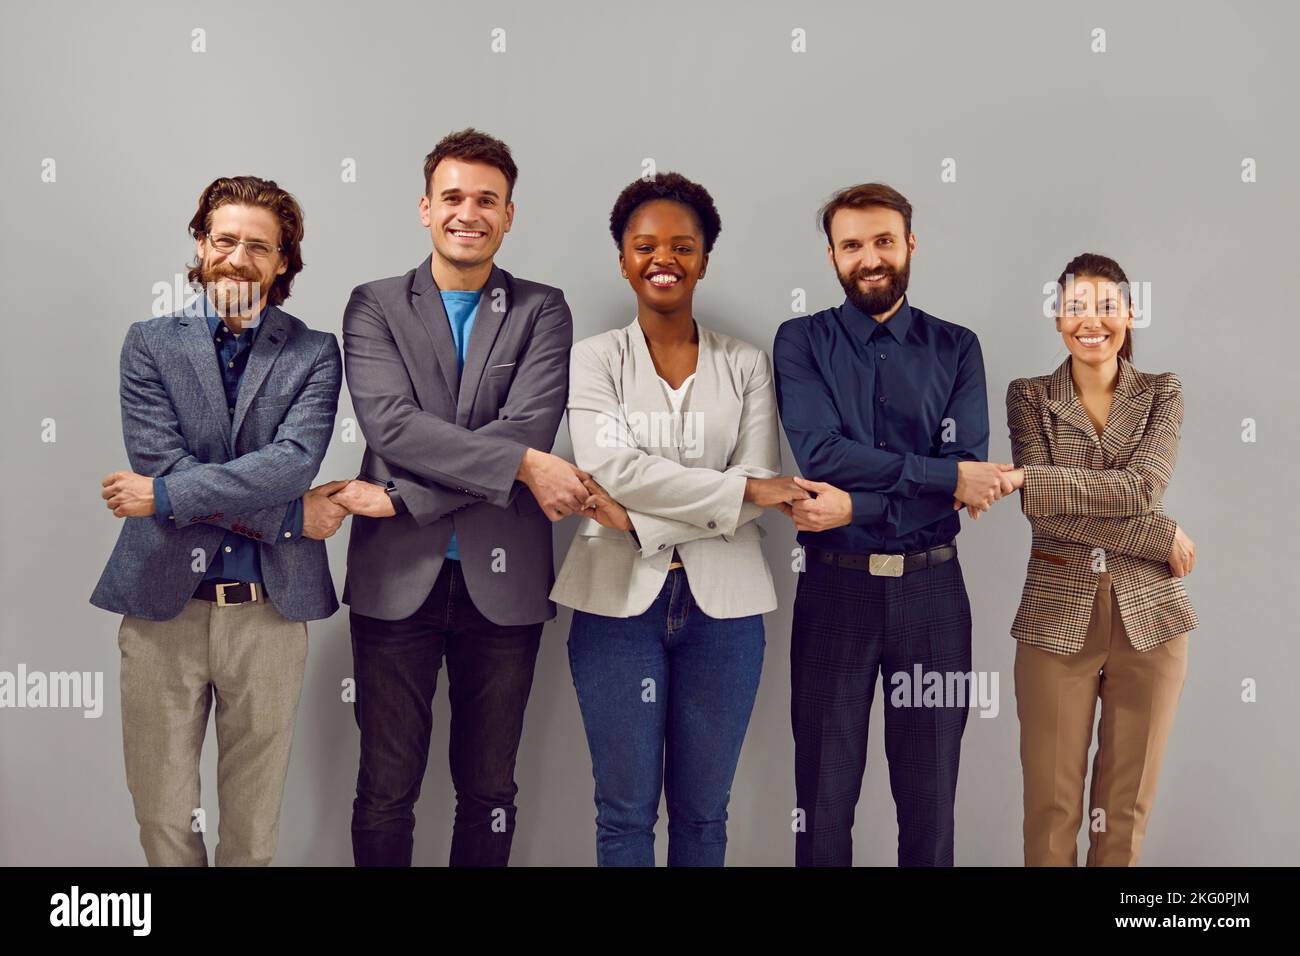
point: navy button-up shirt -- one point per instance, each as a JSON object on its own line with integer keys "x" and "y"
{"x": 238, "y": 557}
{"x": 884, "y": 411}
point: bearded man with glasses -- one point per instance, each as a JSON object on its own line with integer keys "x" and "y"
{"x": 227, "y": 410}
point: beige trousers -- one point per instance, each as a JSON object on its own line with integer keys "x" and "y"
{"x": 251, "y": 659}
{"x": 1056, "y": 698}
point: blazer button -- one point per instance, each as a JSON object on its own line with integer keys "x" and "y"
{"x": 713, "y": 524}
{"x": 227, "y": 549}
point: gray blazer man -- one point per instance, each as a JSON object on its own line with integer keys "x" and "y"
{"x": 227, "y": 411}
{"x": 458, "y": 373}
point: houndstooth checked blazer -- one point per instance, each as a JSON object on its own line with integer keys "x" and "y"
{"x": 1093, "y": 499}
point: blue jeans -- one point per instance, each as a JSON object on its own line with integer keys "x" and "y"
{"x": 665, "y": 698}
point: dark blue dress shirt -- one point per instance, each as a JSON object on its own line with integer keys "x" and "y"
{"x": 238, "y": 557}
{"x": 884, "y": 411}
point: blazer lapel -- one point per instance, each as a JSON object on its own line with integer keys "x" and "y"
{"x": 649, "y": 397}
{"x": 1064, "y": 403}
{"x": 490, "y": 315}
{"x": 1128, "y": 408}
{"x": 196, "y": 343}
{"x": 427, "y": 304}
{"x": 266, "y": 348}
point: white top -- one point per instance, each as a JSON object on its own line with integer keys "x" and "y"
{"x": 677, "y": 395}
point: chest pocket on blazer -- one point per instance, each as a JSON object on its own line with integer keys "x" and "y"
{"x": 270, "y": 407}
{"x": 495, "y": 385}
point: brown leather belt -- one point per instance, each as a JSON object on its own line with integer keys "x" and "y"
{"x": 887, "y": 565}
{"x": 229, "y": 594}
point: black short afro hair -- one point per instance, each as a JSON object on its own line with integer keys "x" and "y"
{"x": 672, "y": 186}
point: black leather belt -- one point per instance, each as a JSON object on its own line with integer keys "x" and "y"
{"x": 887, "y": 565}
{"x": 228, "y": 595}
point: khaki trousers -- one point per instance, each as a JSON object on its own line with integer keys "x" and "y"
{"x": 1056, "y": 698}
{"x": 251, "y": 659}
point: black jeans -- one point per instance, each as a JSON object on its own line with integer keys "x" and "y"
{"x": 489, "y": 675}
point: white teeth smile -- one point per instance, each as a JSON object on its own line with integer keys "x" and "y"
{"x": 1092, "y": 339}
{"x": 664, "y": 279}
{"x": 464, "y": 234}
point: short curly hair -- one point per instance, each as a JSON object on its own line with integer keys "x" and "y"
{"x": 672, "y": 186}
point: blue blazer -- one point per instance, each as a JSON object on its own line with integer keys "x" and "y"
{"x": 224, "y": 472}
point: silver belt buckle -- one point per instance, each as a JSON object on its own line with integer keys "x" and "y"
{"x": 886, "y": 565}
{"x": 221, "y": 595}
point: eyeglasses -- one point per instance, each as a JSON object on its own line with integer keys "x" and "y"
{"x": 228, "y": 244}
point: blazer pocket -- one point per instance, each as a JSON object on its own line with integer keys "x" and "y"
{"x": 749, "y": 531}
{"x": 271, "y": 402}
{"x": 590, "y": 528}
{"x": 525, "y": 503}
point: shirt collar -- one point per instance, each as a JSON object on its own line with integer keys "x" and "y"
{"x": 864, "y": 326}
{"x": 250, "y": 329}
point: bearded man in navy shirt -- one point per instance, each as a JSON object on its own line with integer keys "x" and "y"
{"x": 885, "y": 409}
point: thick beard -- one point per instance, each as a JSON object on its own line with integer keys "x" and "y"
{"x": 882, "y": 299}
{"x": 227, "y": 302}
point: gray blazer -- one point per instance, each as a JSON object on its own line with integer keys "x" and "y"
{"x": 223, "y": 472}
{"x": 681, "y": 486}
{"x": 452, "y": 442}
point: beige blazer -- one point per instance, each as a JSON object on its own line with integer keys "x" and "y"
{"x": 1095, "y": 503}
{"x": 681, "y": 478}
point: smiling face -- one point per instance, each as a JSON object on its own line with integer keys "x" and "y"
{"x": 239, "y": 282}
{"x": 466, "y": 212}
{"x": 871, "y": 256}
{"x": 663, "y": 254}
{"x": 1094, "y": 319}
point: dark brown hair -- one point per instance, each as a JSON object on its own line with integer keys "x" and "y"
{"x": 1099, "y": 267}
{"x": 860, "y": 197}
{"x": 251, "y": 191}
{"x": 673, "y": 186}
{"x": 473, "y": 146}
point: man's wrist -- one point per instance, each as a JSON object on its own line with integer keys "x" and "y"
{"x": 524, "y": 471}
{"x": 390, "y": 488}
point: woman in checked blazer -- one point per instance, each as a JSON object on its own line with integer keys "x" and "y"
{"x": 1103, "y": 613}
{"x": 677, "y": 426}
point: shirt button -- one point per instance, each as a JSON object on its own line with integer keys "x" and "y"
{"x": 882, "y": 444}
{"x": 288, "y": 534}
{"x": 231, "y": 410}
{"x": 882, "y": 399}
{"x": 227, "y": 549}
{"x": 713, "y": 524}
{"x": 660, "y": 548}
{"x": 882, "y": 355}
{"x": 230, "y": 364}
{"x": 224, "y": 329}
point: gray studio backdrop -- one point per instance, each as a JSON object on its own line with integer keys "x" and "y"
{"x": 1144, "y": 152}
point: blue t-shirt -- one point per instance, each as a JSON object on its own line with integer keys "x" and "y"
{"x": 461, "y": 306}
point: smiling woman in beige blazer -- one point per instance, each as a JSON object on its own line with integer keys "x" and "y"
{"x": 677, "y": 426}
{"x": 1103, "y": 614}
